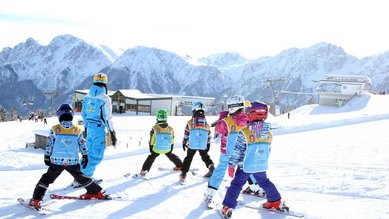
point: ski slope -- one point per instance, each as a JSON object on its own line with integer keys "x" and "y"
{"x": 327, "y": 162}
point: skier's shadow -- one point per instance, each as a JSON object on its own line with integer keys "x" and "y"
{"x": 150, "y": 201}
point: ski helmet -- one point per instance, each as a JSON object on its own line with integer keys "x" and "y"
{"x": 100, "y": 78}
{"x": 257, "y": 111}
{"x": 198, "y": 106}
{"x": 161, "y": 115}
{"x": 235, "y": 103}
{"x": 65, "y": 112}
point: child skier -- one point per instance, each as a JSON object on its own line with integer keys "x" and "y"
{"x": 64, "y": 143}
{"x": 161, "y": 142}
{"x": 251, "y": 154}
{"x": 97, "y": 116}
{"x": 198, "y": 134}
{"x": 228, "y": 129}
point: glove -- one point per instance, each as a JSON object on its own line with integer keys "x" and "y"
{"x": 184, "y": 146}
{"x": 85, "y": 133}
{"x": 208, "y": 145}
{"x": 47, "y": 160}
{"x": 231, "y": 171}
{"x": 84, "y": 161}
{"x": 113, "y": 138}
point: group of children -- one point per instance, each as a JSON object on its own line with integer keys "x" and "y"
{"x": 196, "y": 138}
{"x": 244, "y": 149}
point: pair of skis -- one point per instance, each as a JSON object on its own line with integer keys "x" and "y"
{"x": 181, "y": 181}
{"x": 288, "y": 212}
{"x": 45, "y": 210}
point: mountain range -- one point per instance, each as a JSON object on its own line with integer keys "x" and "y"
{"x": 36, "y": 73}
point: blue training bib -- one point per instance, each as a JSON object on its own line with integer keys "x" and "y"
{"x": 256, "y": 157}
{"x": 198, "y": 139}
{"x": 231, "y": 140}
{"x": 163, "y": 142}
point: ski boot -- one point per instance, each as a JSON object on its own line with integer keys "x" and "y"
{"x": 254, "y": 189}
{"x": 226, "y": 212}
{"x": 99, "y": 195}
{"x": 209, "y": 198}
{"x": 176, "y": 168}
{"x": 142, "y": 174}
{"x": 211, "y": 168}
{"x": 35, "y": 203}
{"x": 277, "y": 205}
{"x": 182, "y": 178}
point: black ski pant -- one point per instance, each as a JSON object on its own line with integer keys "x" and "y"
{"x": 189, "y": 157}
{"x": 151, "y": 158}
{"x": 55, "y": 170}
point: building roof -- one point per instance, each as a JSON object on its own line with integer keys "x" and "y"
{"x": 136, "y": 94}
{"x": 346, "y": 78}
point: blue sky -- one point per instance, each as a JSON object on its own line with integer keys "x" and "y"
{"x": 253, "y": 28}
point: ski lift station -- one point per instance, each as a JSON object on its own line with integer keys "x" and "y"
{"x": 336, "y": 90}
{"x": 135, "y": 102}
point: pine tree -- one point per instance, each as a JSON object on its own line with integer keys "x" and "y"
{"x": 2, "y": 114}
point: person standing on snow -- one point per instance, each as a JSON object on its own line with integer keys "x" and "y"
{"x": 253, "y": 187}
{"x": 161, "y": 142}
{"x": 228, "y": 129}
{"x": 251, "y": 155}
{"x": 64, "y": 143}
{"x": 97, "y": 117}
{"x": 198, "y": 134}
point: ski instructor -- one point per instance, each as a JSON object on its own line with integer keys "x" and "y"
{"x": 97, "y": 116}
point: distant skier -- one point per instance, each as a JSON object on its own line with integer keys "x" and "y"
{"x": 64, "y": 143}
{"x": 228, "y": 129}
{"x": 97, "y": 117}
{"x": 251, "y": 154}
{"x": 197, "y": 138}
{"x": 161, "y": 142}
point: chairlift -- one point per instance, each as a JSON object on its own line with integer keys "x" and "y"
{"x": 24, "y": 102}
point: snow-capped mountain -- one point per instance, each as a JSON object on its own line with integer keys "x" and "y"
{"x": 59, "y": 66}
{"x": 224, "y": 60}
{"x": 152, "y": 70}
{"x": 67, "y": 63}
{"x": 295, "y": 70}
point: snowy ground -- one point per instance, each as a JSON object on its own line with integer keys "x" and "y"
{"x": 327, "y": 162}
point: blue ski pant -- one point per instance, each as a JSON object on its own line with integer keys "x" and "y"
{"x": 240, "y": 179}
{"x": 219, "y": 172}
{"x": 95, "y": 141}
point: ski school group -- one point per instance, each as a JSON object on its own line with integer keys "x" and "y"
{"x": 244, "y": 152}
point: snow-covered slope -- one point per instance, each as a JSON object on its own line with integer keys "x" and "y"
{"x": 327, "y": 162}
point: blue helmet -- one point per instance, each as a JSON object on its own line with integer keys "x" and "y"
{"x": 198, "y": 106}
{"x": 65, "y": 112}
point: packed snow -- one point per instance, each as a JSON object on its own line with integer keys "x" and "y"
{"x": 327, "y": 162}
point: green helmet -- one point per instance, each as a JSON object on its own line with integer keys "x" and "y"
{"x": 161, "y": 115}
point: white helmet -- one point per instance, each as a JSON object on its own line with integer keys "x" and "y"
{"x": 235, "y": 103}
